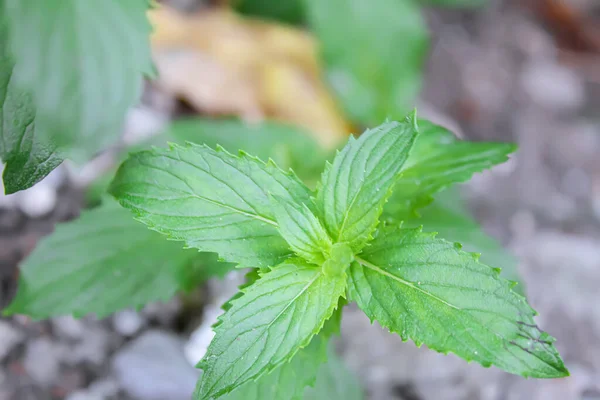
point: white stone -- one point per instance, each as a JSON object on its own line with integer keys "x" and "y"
{"x": 552, "y": 85}
{"x": 9, "y": 338}
{"x": 42, "y": 361}
{"x": 153, "y": 367}
{"x": 127, "y": 322}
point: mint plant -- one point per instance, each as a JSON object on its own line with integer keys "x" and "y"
{"x": 361, "y": 236}
{"x": 316, "y": 250}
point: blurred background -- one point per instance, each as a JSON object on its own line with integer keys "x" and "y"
{"x": 526, "y": 71}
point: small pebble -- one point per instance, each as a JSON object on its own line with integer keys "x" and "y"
{"x": 127, "y": 322}
{"x": 9, "y": 338}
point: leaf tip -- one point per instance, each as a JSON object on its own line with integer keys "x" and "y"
{"x": 413, "y": 119}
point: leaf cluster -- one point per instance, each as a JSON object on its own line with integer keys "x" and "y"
{"x": 317, "y": 249}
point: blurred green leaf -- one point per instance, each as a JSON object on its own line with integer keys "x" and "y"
{"x": 26, "y": 159}
{"x": 374, "y": 53}
{"x": 334, "y": 381}
{"x": 103, "y": 262}
{"x": 83, "y": 63}
{"x": 287, "y": 145}
{"x": 289, "y": 11}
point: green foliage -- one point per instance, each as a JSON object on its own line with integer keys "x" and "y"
{"x": 450, "y": 218}
{"x": 424, "y": 288}
{"x": 288, "y": 381}
{"x": 255, "y": 335}
{"x": 428, "y": 290}
{"x": 374, "y": 53}
{"x": 334, "y": 381}
{"x": 288, "y": 145}
{"x": 439, "y": 160}
{"x": 308, "y": 250}
{"x": 289, "y": 11}
{"x": 69, "y": 71}
{"x": 27, "y": 159}
{"x": 83, "y": 62}
{"x": 301, "y": 229}
{"x": 355, "y": 187}
{"x": 210, "y": 199}
{"x": 103, "y": 262}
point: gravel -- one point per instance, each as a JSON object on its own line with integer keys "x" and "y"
{"x": 154, "y": 367}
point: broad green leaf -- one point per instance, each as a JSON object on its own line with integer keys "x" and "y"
{"x": 355, "y": 187}
{"x": 27, "y": 159}
{"x": 288, "y": 381}
{"x": 301, "y": 229}
{"x": 428, "y": 290}
{"x": 263, "y": 329}
{"x": 83, "y": 63}
{"x": 450, "y": 218}
{"x": 211, "y": 199}
{"x": 334, "y": 381}
{"x": 290, "y": 11}
{"x": 288, "y": 145}
{"x": 103, "y": 262}
{"x": 439, "y": 160}
{"x": 374, "y": 53}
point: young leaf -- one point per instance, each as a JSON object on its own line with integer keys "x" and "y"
{"x": 27, "y": 159}
{"x": 288, "y": 381}
{"x": 358, "y": 182}
{"x": 211, "y": 199}
{"x": 334, "y": 381}
{"x": 101, "y": 263}
{"x": 428, "y": 290}
{"x": 83, "y": 62}
{"x": 391, "y": 38}
{"x": 276, "y": 316}
{"x": 301, "y": 229}
{"x": 439, "y": 160}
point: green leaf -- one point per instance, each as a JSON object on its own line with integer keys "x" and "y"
{"x": 83, "y": 62}
{"x": 355, "y": 187}
{"x": 290, "y": 11}
{"x": 288, "y": 145}
{"x": 27, "y": 159}
{"x": 103, "y": 262}
{"x": 437, "y": 161}
{"x": 263, "y": 329}
{"x": 450, "y": 218}
{"x": 374, "y": 53}
{"x": 301, "y": 229}
{"x": 334, "y": 381}
{"x": 428, "y": 290}
{"x": 211, "y": 199}
{"x": 288, "y": 381}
